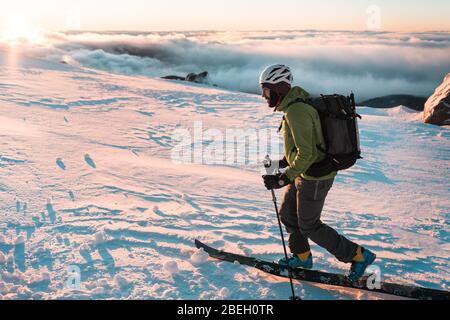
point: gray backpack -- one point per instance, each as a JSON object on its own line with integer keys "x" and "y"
{"x": 340, "y": 130}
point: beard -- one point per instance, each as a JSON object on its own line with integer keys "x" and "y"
{"x": 274, "y": 100}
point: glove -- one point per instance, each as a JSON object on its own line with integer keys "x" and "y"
{"x": 283, "y": 163}
{"x": 276, "y": 165}
{"x": 276, "y": 181}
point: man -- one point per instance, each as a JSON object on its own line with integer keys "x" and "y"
{"x": 305, "y": 195}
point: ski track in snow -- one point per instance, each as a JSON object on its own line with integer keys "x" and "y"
{"x": 87, "y": 181}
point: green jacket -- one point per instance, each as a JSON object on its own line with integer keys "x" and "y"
{"x": 302, "y": 133}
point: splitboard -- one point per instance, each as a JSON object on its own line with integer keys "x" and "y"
{"x": 332, "y": 279}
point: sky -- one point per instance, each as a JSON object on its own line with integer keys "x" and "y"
{"x": 182, "y": 15}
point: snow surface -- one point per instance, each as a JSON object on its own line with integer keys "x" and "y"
{"x": 87, "y": 182}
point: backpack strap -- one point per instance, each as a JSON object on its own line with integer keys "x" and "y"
{"x": 281, "y": 125}
{"x": 353, "y": 104}
{"x": 298, "y": 100}
{"x": 324, "y": 127}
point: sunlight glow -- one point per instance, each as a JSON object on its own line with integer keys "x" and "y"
{"x": 18, "y": 30}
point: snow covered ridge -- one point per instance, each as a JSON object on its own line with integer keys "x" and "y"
{"x": 234, "y": 59}
{"x": 93, "y": 207}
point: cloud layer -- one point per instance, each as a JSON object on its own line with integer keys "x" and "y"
{"x": 370, "y": 64}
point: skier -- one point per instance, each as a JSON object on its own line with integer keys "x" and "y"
{"x": 305, "y": 195}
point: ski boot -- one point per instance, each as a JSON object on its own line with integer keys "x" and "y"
{"x": 358, "y": 268}
{"x": 296, "y": 262}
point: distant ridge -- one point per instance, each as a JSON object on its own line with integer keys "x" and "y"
{"x": 413, "y": 102}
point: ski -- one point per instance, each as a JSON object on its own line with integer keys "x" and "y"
{"x": 332, "y": 279}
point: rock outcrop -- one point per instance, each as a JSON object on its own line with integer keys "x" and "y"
{"x": 198, "y": 78}
{"x": 437, "y": 108}
{"x": 192, "y": 77}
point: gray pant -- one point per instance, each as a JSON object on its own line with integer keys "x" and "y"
{"x": 300, "y": 213}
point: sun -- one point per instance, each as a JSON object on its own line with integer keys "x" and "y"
{"x": 18, "y": 30}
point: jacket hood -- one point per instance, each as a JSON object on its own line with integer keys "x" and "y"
{"x": 293, "y": 94}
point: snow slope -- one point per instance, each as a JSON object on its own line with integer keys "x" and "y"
{"x": 87, "y": 184}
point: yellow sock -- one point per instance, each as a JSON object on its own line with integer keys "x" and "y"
{"x": 359, "y": 256}
{"x": 304, "y": 256}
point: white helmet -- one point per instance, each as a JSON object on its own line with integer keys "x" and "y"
{"x": 276, "y": 74}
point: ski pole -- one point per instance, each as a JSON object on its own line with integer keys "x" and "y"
{"x": 268, "y": 164}
{"x": 294, "y": 297}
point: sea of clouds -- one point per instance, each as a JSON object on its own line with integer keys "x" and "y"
{"x": 369, "y": 63}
